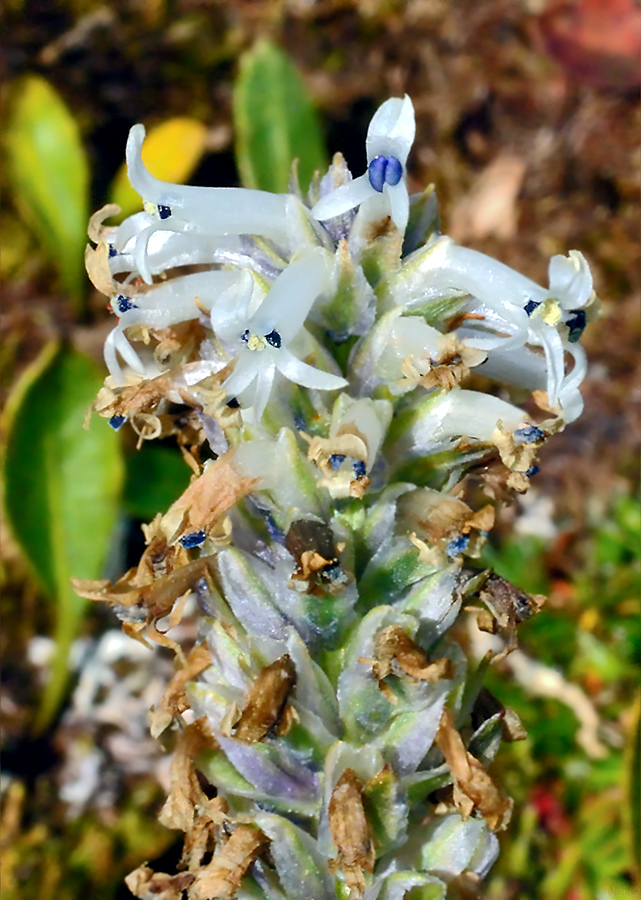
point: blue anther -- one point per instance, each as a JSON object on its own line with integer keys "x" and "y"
{"x": 376, "y": 171}
{"x": 274, "y": 531}
{"x": 245, "y": 336}
{"x": 393, "y": 172}
{"x": 164, "y": 211}
{"x": 359, "y": 468}
{"x": 528, "y": 435}
{"x": 195, "y": 539}
{"x": 533, "y": 470}
{"x": 232, "y": 403}
{"x": 300, "y": 422}
{"x": 530, "y": 306}
{"x": 124, "y": 304}
{"x": 576, "y": 324}
{"x": 273, "y": 339}
{"x": 112, "y": 251}
{"x": 117, "y": 422}
{"x": 336, "y": 460}
{"x": 458, "y": 545}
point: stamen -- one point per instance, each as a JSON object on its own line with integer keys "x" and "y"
{"x": 530, "y": 434}
{"x": 124, "y": 304}
{"x": 164, "y": 211}
{"x": 195, "y": 539}
{"x": 458, "y": 545}
{"x": 376, "y": 172}
{"x": 530, "y": 306}
{"x": 117, "y": 422}
{"x": 393, "y": 172}
{"x": 576, "y": 323}
{"x": 359, "y": 468}
{"x": 336, "y": 460}
{"x": 273, "y": 339}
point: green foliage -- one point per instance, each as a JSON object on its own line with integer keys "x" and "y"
{"x": 274, "y": 121}
{"x": 49, "y": 176}
{"x": 590, "y": 633}
{"x": 61, "y": 489}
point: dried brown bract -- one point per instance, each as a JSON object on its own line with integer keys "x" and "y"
{"x": 146, "y": 884}
{"x": 474, "y": 788}
{"x": 394, "y": 645}
{"x": 174, "y": 701}
{"x": 312, "y": 545}
{"x": 266, "y": 701}
{"x": 507, "y": 606}
{"x": 350, "y": 832}
{"x": 224, "y": 874}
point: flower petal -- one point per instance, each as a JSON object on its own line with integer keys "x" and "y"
{"x": 570, "y": 280}
{"x": 399, "y": 204}
{"x": 392, "y": 130}
{"x": 344, "y": 198}
{"x": 287, "y": 304}
{"x": 213, "y": 211}
{"x": 300, "y": 373}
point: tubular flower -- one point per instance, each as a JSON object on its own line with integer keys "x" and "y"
{"x": 389, "y": 141}
{"x": 345, "y": 478}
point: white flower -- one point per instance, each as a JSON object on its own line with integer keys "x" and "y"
{"x": 211, "y": 211}
{"x": 515, "y": 312}
{"x": 258, "y": 337}
{"x": 389, "y": 139}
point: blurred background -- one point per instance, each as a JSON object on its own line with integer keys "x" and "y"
{"x": 528, "y": 125}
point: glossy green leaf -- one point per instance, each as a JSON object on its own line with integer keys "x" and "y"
{"x": 275, "y": 121}
{"x": 171, "y": 152}
{"x": 49, "y": 177}
{"x": 62, "y": 488}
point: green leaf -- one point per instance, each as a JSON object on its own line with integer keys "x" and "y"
{"x": 49, "y": 176}
{"x": 275, "y": 121}
{"x": 171, "y": 152}
{"x": 62, "y": 487}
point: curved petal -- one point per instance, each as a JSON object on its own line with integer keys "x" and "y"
{"x": 215, "y": 211}
{"x": 570, "y": 279}
{"x": 287, "y": 304}
{"x": 300, "y": 373}
{"x": 242, "y": 376}
{"x": 553, "y": 348}
{"x": 399, "y": 204}
{"x": 392, "y": 130}
{"x": 263, "y": 389}
{"x": 344, "y": 198}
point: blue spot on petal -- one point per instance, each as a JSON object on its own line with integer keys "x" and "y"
{"x": 393, "y": 172}
{"x": 195, "y": 539}
{"x": 458, "y": 545}
{"x": 117, "y": 422}
{"x": 528, "y": 435}
{"x": 336, "y": 460}
{"x": 164, "y": 211}
{"x": 376, "y": 171}
{"x": 530, "y": 306}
